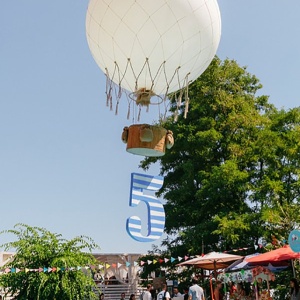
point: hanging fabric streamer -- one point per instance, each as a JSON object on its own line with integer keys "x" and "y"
{"x": 141, "y": 183}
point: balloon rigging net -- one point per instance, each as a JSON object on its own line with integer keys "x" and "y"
{"x": 142, "y": 96}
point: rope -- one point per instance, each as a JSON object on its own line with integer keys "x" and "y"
{"x": 115, "y": 91}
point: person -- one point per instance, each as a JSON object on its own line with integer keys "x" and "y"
{"x": 232, "y": 288}
{"x": 176, "y": 292}
{"x": 195, "y": 291}
{"x": 295, "y": 293}
{"x": 147, "y": 294}
{"x": 240, "y": 292}
{"x": 101, "y": 296}
{"x": 132, "y": 297}
{"x": 185, "y": 293}
{"x": 122, "y": 296}
{"x": 164, "y": 294}
{"x": 153, "y": 294}
{"x": 218, "y": 293}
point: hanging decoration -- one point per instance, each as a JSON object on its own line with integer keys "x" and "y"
{"x": 294, "y": 240}
{"x": 151, "y": 49}
{"x": 141, "y": 185}
{"x": 165, "y": 260}
{"x": 251, "y": 275}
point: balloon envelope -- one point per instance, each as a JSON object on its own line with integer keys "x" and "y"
{"x": 158, "y": 45}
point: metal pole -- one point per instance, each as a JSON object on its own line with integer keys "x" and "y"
{"x": 293, "y": 267}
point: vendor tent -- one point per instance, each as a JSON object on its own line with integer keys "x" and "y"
{"x": 282, "y": 254}
{"x": 212, "y": 261}
{"x": 241, "y": 264}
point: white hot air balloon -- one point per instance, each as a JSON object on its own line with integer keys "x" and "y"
{"x": 152, "y": 48}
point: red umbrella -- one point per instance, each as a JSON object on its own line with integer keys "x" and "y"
{"x": 281, "y": 254}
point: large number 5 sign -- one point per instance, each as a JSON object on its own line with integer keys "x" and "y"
{"x": 156, "y": 213}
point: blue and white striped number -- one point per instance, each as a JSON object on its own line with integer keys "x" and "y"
{"x": 156, "y": 212}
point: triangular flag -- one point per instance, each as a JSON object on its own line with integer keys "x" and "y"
{"x": 154, "y": 261}
{"x": 142, "y": 263}
{"x": 100, "y": 267}
{"x": 161, "y": 260}
{"x": 45, "y": 269}
{"x": 186, "y": 257}
{"x": 13, "y": 270}
{"x": 54, "y": 269}
{"x": 114, "y": 265}
{"x": 86, "y": 267}
{"x": 149, "y": 262}
{"x": 26, "y": 270}
{"x": 255, "y": 247}
{"x": 40, "y": 269}
{"x": 107, "y": 266}
{"x": 7, "y": 270}
{"x": 49, "y": 270}
{"x": 172, "y": 259}
{"x": 78, "y": 268}
{"x": 166, "y": 260}
{"x": 119, "y": 265}
{"x": 179, "y": 258}
{"x": 135, "y": 263}
{"x": 127, "y": 264}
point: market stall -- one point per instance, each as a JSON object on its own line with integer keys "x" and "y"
{"x": 275, "y": 257}
{"x": 212, "y": 261}
{"x": 253, "y": 277}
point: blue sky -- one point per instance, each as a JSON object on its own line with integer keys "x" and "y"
{"x": 62, "y": 163}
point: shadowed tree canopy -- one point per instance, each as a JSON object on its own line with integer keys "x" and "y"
{"x": 235, "y": 157}
{"x": 38, "y": 248}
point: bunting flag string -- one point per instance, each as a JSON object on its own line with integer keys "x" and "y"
{"x": 105, "y": 266}
{"x": 102, "y": 266}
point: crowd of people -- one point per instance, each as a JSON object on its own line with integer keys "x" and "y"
{"x": 195, "y": 292}
{"x": 242, "y": 291}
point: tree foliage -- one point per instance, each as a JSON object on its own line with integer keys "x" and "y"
{"x": 232, "y": 176}
{"x": 38, "y": 248}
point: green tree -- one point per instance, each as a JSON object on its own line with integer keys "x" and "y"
{"x": 208, "y": 171}
{"x": 235, "y": 163}
{"x": 38, "y": 248}
{"x": 277, "y": 187}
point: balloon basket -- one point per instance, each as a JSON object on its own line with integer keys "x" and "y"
{"x": 146, "y": 140}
